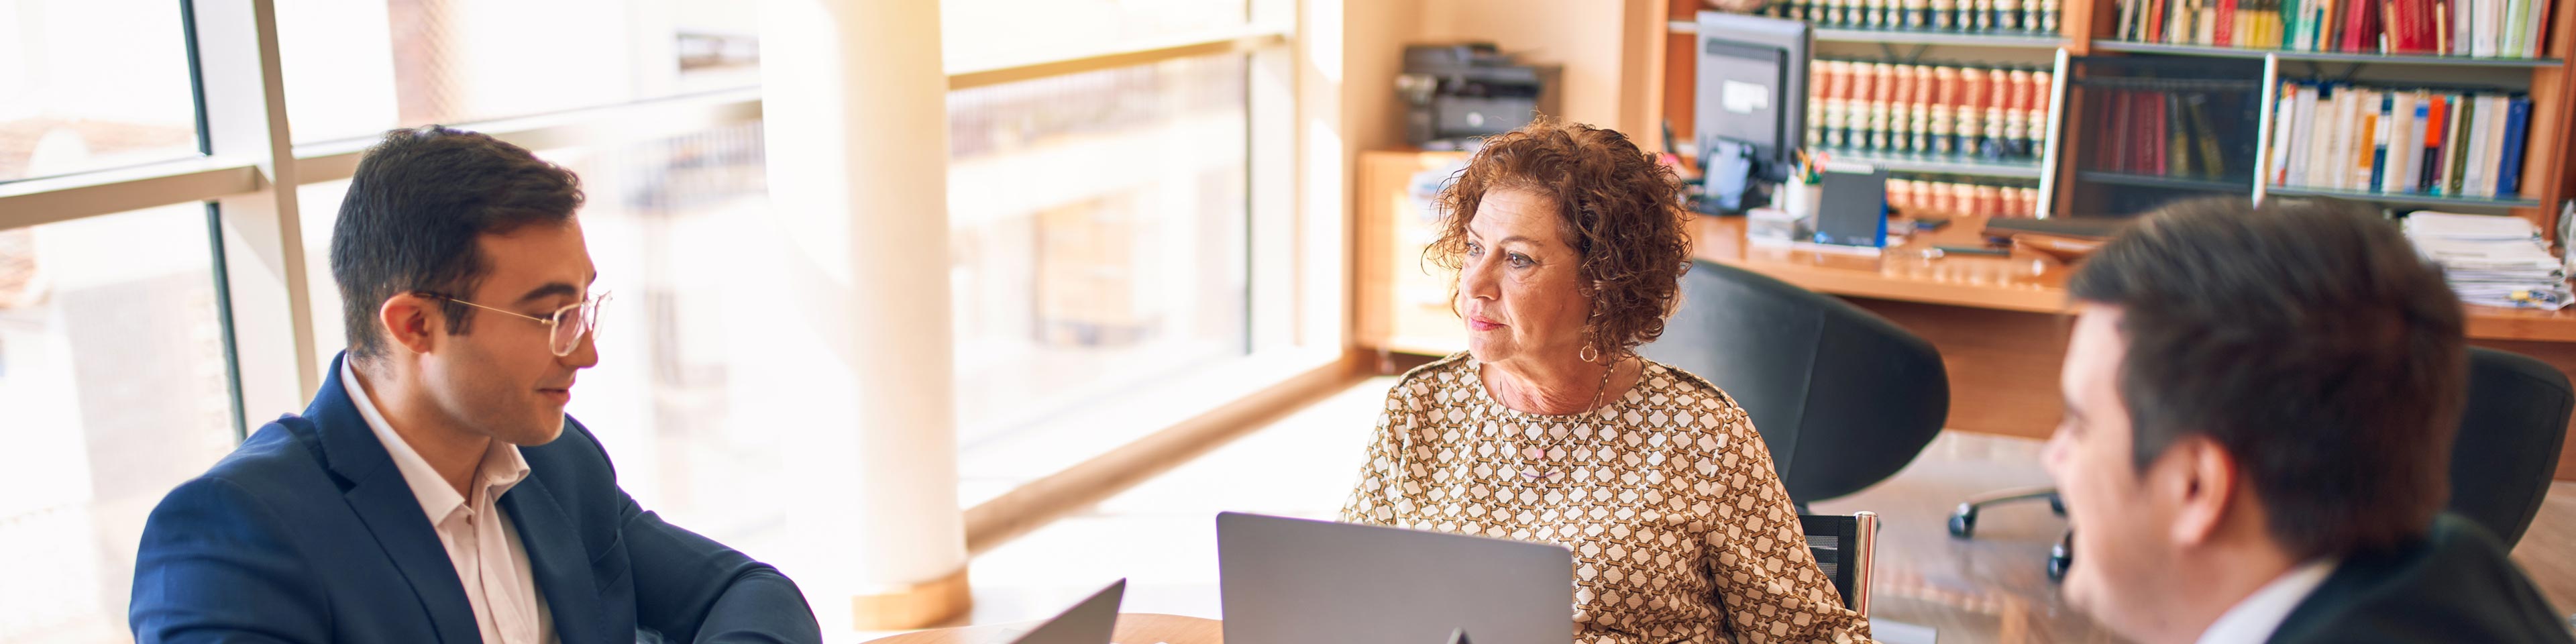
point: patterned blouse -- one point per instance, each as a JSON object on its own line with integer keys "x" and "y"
{"x": 1680, "y": 529}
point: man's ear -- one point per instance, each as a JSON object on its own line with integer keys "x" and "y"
{"x": 412, "y": 321}
{"x": 2200, "y": 479}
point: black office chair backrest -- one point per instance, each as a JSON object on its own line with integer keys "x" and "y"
{"x": 1846, "y": 547}
{"x": 1843, "y": 398}
{"x": 2510, "y": 433}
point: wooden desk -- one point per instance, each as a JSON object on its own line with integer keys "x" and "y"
{"x": 1133, "y": 628}
{"x": 2000, "y": 323}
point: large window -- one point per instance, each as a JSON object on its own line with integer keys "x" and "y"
{"x": 1098, "y": 238}
{"x": 112, "y": 378}
{"x": 1107, "y": 207}
{"x": 92, "y": 84}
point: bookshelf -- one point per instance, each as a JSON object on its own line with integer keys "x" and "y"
{"x": 2088, "y": 32}
{"x": 2319, "y": 56}
{"x": 1953, "y": 165}
{"x": 1962, "y": 39}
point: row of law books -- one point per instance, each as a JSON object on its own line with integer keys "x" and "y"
{"x": 2033, "y": 17}
{"x": 2149, "y": 130}
{"x": 2399, "y": 140}
{"x": 1967, "y": 111}
{"x": 1939, "y": 195}
{"x": 2482, "y": 28}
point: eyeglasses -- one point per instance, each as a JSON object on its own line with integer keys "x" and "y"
{"x": 568, "y": 324}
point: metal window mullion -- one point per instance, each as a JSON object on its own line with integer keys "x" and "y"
{"x": 244, "y": 110}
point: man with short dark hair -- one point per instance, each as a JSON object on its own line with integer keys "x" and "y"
{"x": 435, "y": 490}
{"x": 2259, "y": 411}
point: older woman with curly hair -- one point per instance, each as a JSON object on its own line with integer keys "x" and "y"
{"x": 1569, "y": 247}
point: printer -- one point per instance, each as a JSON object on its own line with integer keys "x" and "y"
{"x": 1455, "y": 94}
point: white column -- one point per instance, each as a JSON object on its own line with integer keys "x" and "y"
{"x": 853, "y": 363}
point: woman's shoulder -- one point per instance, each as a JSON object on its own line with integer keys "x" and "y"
{"x": 1662, "y": 384}
{"x": 1438, "y": 374}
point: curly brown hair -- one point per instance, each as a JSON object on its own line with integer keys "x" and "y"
{"x": 1617, "y": 206}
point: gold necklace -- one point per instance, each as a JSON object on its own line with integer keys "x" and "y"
{"x": 1532, "y": 471}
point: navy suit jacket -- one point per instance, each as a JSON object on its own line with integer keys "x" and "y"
{"x": 307, "y": 533}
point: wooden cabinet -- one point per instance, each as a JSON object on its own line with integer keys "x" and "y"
{"x": 1403, "y": 300}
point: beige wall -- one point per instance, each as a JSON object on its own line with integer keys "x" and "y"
{"x": 1608, "y": 48}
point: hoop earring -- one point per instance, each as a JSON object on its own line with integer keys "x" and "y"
{"x": 1588, "y": 353}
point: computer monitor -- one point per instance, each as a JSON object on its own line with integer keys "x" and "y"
{"x": 1752, "y": 90}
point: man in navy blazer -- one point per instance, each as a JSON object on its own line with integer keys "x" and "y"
{"x": 435, "y": 490}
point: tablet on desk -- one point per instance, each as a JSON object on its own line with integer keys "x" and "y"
{"x": 1296, "y": 581}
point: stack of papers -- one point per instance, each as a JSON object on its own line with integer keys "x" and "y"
{"x": 2491, "y": 260}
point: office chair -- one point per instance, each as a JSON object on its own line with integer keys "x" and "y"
{"x": 1842, "y": 398}
{"x": 1846, "y": 547}
{"x": 2511, "y": 429}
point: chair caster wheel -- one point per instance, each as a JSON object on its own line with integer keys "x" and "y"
{"x": 2058, "y": 560}
{"x": 1963, "y": 522}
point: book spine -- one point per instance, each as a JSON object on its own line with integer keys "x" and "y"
{"x": 2410, "y": 174}
{"x": 2483, "y": 39}
{"x": 2154, "y": 25}
{"x": 2517, "y": 124}
{"x": 2474, "y": 174}
{"x": 1917, "y": 14}
{"x": 2009, "y": 16}
{"x": 2429, "y": 172}
{"x": 2284, "y": 127}
{"x": 2357, "y": 166}
{"x": 1972, "y": 110}
{"x": 2509, "y": 33}
{"x": 2213, "y": 160}
{"x": 2455, "y": 148}
{"x": 2016, "y": 114}
{"x": 1944, "y": 125}
{"x": 2303, "y": 135}
{"x": 2050, "y": 11}
{"x": 1945, "y": 15}
{"x": 2176, "y": 159}
{"x": 2380, "y": 124}
{"x": 1882, "y": 99}
{"x": 1819, "y": 77}
{"x": 2335, "y": 167}
{"x": 2223, "y": 34}
{"x": 2035, "y": 134}
{"x": 2535, "y": 25}
{"x": 1998, "y": 105}
{"x": 2493, "y": 114}
{"x": 2322, "y": 135}
{"x": 1917, "y": 132}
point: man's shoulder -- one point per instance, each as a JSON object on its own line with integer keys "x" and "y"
{"x": 282, "y": 458}
{"x": 2457, "y": 585}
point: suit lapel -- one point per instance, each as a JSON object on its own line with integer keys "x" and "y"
{"x": 562, "y": 565}
{"x": 377, "y": 493}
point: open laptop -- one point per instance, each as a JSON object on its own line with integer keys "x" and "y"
{"x": 1295, "y": 581}
{"x": 1089, "y": 622}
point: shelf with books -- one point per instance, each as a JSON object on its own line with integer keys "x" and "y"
{"x": 2016, "y": 40}
{"x": 2320, "y": 56}
{"x": 2163, "y": 181}
{"x": 2501, "y": 32}
{"x": 2404, "y": 199}
{"x": 1940, "y": 164}
{"x": 2398, "y": 144}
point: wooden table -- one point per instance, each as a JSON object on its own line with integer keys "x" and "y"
{"x": 1133, "y": 628}
{"x": 2000, "y": 323}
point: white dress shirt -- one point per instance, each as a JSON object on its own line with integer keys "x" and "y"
{"x": 2252, "y": 619}
{"x": 482, "y": 542}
